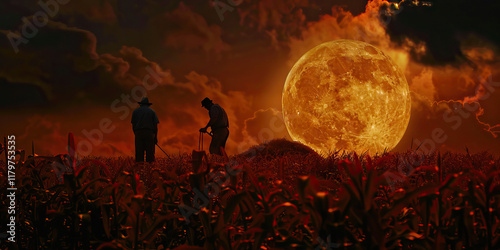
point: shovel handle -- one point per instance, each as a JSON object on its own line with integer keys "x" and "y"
{"x": 200, "y": 139}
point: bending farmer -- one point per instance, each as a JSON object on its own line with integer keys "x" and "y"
{"x": 219, "y": 124}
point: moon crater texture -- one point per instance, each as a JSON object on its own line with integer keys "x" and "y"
{"x": 346, "y": 95}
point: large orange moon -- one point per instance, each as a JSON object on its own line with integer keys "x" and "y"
{"x": 346, "y": 95}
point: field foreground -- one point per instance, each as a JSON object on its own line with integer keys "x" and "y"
{"x": 279, "y": 195}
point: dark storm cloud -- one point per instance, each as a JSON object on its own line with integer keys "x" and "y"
{"x": 21, "y": 94}
{"x": 97, "y": 51}
{"x": 167, "y": 30}
{"x": 188, "y": 30}
{"x": 128, "y": 66}
{"x": 444, "y": 28}
{"x": 53, "y": 64}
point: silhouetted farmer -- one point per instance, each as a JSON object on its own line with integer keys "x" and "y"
{"x": 145, "y": 126}
{"x": 219, "y": 124}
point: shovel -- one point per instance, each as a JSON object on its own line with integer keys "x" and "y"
{"x": 200, "y": 140}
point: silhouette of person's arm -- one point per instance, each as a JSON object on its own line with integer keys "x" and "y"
{"x": 214, "y": 115}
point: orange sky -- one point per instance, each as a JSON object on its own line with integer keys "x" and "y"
{"x": 83, "y": 66}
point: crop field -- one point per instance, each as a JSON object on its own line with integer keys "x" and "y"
{"x": 278, "y": 195}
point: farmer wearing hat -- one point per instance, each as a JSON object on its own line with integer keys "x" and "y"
{"x": 145, "y": 126}
{"x": 219, "y": 124}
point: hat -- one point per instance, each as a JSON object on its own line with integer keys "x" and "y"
{"x": 145, "y": 101}
{"x": 206, "y": 102}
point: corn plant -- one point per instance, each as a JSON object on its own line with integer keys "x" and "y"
{"x": 286, "y": 197}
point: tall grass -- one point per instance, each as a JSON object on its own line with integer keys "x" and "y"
{"x": 282, "y": 199}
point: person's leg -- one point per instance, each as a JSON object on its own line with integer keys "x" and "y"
{"x": 150, "y": 146}
{"x": 218, "y": 140}
{"x": 139, "y": 147}
{"x": 215, "y": 143}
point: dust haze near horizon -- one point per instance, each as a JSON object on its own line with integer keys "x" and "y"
{"x": 79, "y": 73}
